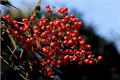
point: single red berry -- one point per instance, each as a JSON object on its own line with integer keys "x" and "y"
{"x": 60, "y": 33}
{"x": 35, "y": 27}
{"x": 89, "y": 56}
{"x": 86, "y": 61}
{"x": 80, "y": 38}
{"x": 16, "y": 32}
{"x": 47, "y": 6}
{"x": 32, "y": 18}
{"x": 53, "y": 37}
{"x": 27, "y": 40}
{"x": 16, "y": 26}
{"x": 7, "y": 16}
{"x": 75, "y": 58}
{"x": 52, "y": 44}
{"x": 82, "y": 43}
{"x": 91, "y": 62}
{"x": 24, "y": 20}
{"x": 80, "y": 62}
{"x": 100, "y": 58}
{"x": 59, "y": 62}
{"x": 65, "y": 9}
{"x": 66, "y": 57}
{"x": 26, "y": 26}
{"x": 71, "y": 57}
{"x": 48, "y": 10}
{"x": 70, "y": 42}
{"x": 87, "y": 47}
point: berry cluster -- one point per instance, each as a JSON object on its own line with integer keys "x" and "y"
{"x": 59, "y": 39}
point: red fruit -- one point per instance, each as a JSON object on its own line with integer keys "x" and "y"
{"x": 71, "y": 57}
{"x": 91, "y": 62}
{"x": 68, "y": 33}
{"x": 59, "y": 62}
{"x": 79, "y": 24}
{"x": 75, "y": 58}
{"x": 26, "y": 26}
{"x": 7, "y": 16}
{"x": 89, "y": 56}
{"x": 64, "y": 27}
{"x": 16, "y": 26}
{"x": 70, "y": 42}
{"x": 44, "y": 21}
{"x": 32, "y": 18}
{"x": 53, "y": 37}
{"x": 77, "y": 53}
{"x": 36, "y": 32}
{"x": 27, "y": 40}
{"x": 52, "y": 44}
{"x": 59, "y": 10}
{"x": 86, "y": 61}
{"x": 65, "y": 37}
{"x": 65, "y": 9}
{"x": 66, "y": 57}
{"x": 72, "y": 16}
{"x": 100, "y": 58}
{"x": 80, "y": 62}
{"x": 82, "y": 43}
{"x": 15, "y": 32}
{"x": 48, "y": 10}
{"x": 83, "y": 52}
{"x": 62, "y": 11}
{"x": 14, "y": 22}
{"x": 76, "y": 32}
{"x": 40, "y": 23}
{"x": 60, "y": 34}
{"x": 24, "y": 20}
{"x": 87, "y": 47}
{"x": 31, "y": 39}
{"x": 74, "y": 39}
{"x": 35, "y": 27}
{"x": 35, "y": 35}
{"x": 80, "y": 38}
{"x": 47, "y": 6}
{"x": 67, "y": 25}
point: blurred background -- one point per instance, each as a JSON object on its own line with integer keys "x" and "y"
{"x": 101, "y": 29}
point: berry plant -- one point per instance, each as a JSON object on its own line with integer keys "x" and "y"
{"x": 49, "y": 43}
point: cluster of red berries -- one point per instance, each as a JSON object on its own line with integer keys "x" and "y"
{"x": 58, "y": 39}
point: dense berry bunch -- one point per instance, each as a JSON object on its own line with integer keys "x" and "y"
{"x": 58, "y": 39}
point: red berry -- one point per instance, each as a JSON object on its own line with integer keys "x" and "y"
{"x": 82, "y": 43}
{"x": 75, "y": 58}
{"x": 91, "y": 62}
{"x": 35, "y": 27}
{"x": 59, "y": 33}
{"x": 59, "y": 62}
{"x": 27, "y": 40}
{"x": 66, "y": 57}
{"x": 24, "y": 20}
{"x": 87, "y": 47}
{"x": 71, "y": 57}
{"x": 80, "y": 62}
{"x": 32, "y": 18}
{"x": 65, "y": 9}
{"x": 52, "y": 44}
{"x": 15, "y": 32}
{"x": 48, "y": 10}
{"x": 86, "y": 61}
{"x": 89, "y": 56}
{"x": 100, "y": 58}
{"x": 47, "y": 6}
{"x": 7, "y": 16}
{"x": 70, "y": 42}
